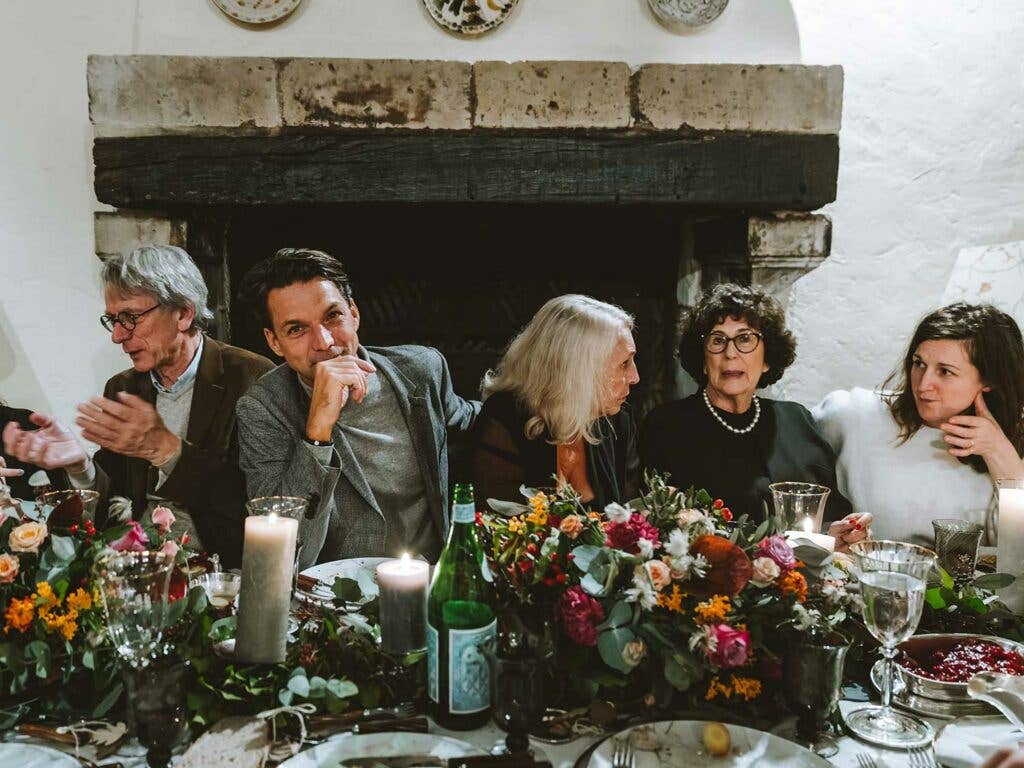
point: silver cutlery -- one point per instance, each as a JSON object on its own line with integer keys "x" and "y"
{"x": 432, "y": 761}
{"x": 622, "y": 754}
{"x": 865, "y": 760}
{"x": 923, "y": 757}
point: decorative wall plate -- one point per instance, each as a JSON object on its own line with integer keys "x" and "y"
{"x": 469, "y": 17}
{"x": 257, "y": 11}
{"x": 691, "y": 13}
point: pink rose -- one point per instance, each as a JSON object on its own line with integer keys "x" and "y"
{"x": 765, "y": 571}
{"x": 660, "y": 574}
{"x": 729, "y": 647}
{"x": 9, "y": 567}
{"x": 134, "y": 540}
{"x": 580, "y": 614}
{"x": 778, "y": 549}
{"x": 170, "y": 548}
{"x": 163, "y": 519}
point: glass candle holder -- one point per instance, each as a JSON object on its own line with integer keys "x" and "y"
{"x": 956, "y": 544}
{"x": 812, "y": 674}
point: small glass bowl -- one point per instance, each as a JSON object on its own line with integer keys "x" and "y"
{"x": 221, "y": 587}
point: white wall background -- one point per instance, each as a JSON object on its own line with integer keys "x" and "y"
{"x": 932, "y": 148}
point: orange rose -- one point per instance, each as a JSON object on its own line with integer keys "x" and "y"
{"x": 571, "y": 526}
{"x": 9, "y": 567}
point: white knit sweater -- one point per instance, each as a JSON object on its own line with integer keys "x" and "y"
{"x": 904, "y": 486}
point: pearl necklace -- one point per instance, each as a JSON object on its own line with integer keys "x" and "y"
{"x": 727, "y": 425}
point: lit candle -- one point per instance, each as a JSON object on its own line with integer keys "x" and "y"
{"x": 1010, "y": 551}
{"x": 403, "y": 604}
{"x": 807, "y": 535}
{"x": 265, "y": 596}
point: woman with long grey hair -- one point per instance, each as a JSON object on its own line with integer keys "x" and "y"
{"x": 555, "y": 407}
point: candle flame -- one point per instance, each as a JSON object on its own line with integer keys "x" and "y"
{"x": 272, "y": 517}
{"x": 808, "y": 524}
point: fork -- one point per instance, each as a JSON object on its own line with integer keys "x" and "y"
{"x": 405, "y": 709}
{"x": 865, "y": 760}
{"x": 622, "y": 755}
{"x": 923, "y": 757}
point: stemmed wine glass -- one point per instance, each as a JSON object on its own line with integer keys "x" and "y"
{"x": 133, "y": 587}
{"x": 893, "y": 576}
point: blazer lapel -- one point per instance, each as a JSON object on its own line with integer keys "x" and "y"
{"x": 207, "y": 393}
{"x": 415, "y": 409}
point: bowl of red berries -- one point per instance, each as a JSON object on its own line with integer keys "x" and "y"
{"x": 939, "y": 666}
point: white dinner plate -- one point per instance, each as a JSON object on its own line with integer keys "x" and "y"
{"x": 362, "y": 569}
{"x": 33, "y": 756}
{"x": 331, "y": 753}
{"x": 673, "y": 743}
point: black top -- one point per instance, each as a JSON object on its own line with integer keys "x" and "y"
{"x": 504, "y": 459}
{"x": 684, "y": 439}
{"x": 20, "y": 489}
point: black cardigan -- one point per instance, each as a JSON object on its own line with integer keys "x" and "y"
{"x": 684, "y": 439}
{"x": 503, "y": 457}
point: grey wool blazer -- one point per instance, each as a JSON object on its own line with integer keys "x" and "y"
{"x": 343, "y": 519}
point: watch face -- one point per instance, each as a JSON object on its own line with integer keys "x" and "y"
{"x": 469, "y": 17}
{"x": 257, "y": 11}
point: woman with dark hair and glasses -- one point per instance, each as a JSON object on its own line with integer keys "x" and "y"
{"x": 947, "y": 423}
{"x": 725, "y": 438}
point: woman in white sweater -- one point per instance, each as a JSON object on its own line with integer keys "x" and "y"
{"x": 933, "y": 446}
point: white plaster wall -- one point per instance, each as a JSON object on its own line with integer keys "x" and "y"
{"x": 931, "y": 161}
{"x": 931, "y": 147}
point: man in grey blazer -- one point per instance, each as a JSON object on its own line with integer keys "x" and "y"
{"x": 359, "y": 431}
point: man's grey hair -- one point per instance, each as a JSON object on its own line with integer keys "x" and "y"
{"x": 165, "y": 271}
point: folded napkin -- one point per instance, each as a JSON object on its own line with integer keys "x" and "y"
{"x": 968, "y": 741}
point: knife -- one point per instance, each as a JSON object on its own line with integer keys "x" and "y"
{"x": 432, "y": 761}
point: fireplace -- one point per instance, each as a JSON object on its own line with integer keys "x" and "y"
{"x": 460, "y": 197}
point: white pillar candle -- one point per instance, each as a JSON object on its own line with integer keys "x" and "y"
{"x": 265, "y": 596}
{"x": 1010, "y": 551}
{"x": 403, "y": 604}
{"x": 808, "y": 535}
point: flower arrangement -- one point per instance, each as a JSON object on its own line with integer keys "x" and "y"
{"x": 52, "y": 620}
{"x": 670, "y": 585}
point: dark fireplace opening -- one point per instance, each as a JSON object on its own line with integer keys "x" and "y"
{"x": 465, "y": 278}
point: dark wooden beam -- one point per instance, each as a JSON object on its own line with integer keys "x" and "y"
{"x": 760, "y": 171}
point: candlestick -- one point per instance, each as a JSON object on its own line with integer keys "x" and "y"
{"x": 403, "y": 604}
{"x": 265, "y": 597}
{"x": 1010, "y": 552}
{"x": 808, "y": 535}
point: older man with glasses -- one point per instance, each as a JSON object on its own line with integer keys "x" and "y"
{"x": 165, "y": 426}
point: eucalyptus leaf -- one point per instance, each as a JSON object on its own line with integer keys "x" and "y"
{"x": 347, "y": 590}
{"x": 342, "y": 689}
{"x": 610, "y": 645}
{"x": 299, "y": 685}
{"x": 507, "y": 508}
{"x": 679, "y": 676}
{"x": 592, "y": 586}
{"x": 63, "y": 548}
{"x": 620, "y": 614}
{"x": 584, "y": 555}
{"x": 993, "y": 581}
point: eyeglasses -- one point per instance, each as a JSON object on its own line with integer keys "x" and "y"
{"x": 127, "y": 320}
{"x": 745, "y": 342}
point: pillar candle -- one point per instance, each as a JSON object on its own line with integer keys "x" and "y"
{"x": 1010, "y": 552}
{"x": 403, "y": 604}
{"x": 265, "y": 596}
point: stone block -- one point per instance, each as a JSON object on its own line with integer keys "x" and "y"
{"x": 552, "y": 94}
{"x": 740, "y": 97}
{"x": 147, "y": 95}
{"x": 789, "y": 235}
{"x": 120, "y": 231}
{"x": 376, "y": 93}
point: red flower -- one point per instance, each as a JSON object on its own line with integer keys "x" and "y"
{"x": 718, "y": 504}
{"x": 625, "y": 536}
{"x": 580, "y": 614}
{"x": 134, "y": 539}
{"x": 727, "y": 514}
{"x": 729, "y": 568}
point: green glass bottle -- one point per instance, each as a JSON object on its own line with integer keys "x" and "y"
{"x": 460, "y": 618}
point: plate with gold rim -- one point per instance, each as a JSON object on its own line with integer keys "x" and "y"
{"x": 681, "y": 742}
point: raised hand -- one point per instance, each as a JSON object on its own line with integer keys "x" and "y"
{"x": 129, "y": 426}
{"x": 52, "y": 446}
{"x": 334, "y": 382}
{"x": 981, "y": 435}
{"x": 851, "y": 529}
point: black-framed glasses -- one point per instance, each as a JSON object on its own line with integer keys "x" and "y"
{"x": 745, "y": 342}
{"x": 127, "y": 320}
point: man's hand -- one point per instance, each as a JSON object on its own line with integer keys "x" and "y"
{"x": 6, "y": 471}
{"x": 52, "y": 446}
{"x": 334, "y": 382}
{"x": 129, "y": 426}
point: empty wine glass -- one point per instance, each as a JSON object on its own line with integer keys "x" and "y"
{"x": 893, "y": 576}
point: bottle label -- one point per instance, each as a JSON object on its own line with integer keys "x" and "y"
{"x": 432, "y": 676}
{"x": 469, "y": 679}
{"x": 463, "y": 513}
